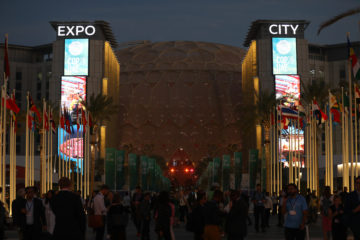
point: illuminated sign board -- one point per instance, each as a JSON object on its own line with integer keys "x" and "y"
{"x": 296, "y": 143}
{"x": 283, "y": 29}
{"x": 75, "y": 31}
{"x": 76, "y": 58}
{"x": 284, "y": 56}
{"x": 287, "y": 89}
{"x": 73, "y": 92}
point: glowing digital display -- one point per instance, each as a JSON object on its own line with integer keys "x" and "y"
{"x": 287, "y": 88}
{"x": 284, "y": 56}
{"x": 73, "y": 92}
{"x": 76, "y": 58}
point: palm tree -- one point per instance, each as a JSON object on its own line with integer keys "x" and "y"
{"x": 101, "y": 108}
{"x": 337, "y": 18}
{"x": 317, "y": 89}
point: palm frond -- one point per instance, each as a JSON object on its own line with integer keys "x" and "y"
{"x": 337, "y": 18}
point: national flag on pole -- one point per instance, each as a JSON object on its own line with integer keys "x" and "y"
{"x": 46, "y": 121}
{"x": 68, "y": 124}
{"x": 288, "y": 112}
{"x": 334, "y": 108}
{"x": 52, "y": 122}
{"x": 320, "y": 115}
{"x": 83, "y": 120}
{"x": 354, "y": 60}
{"x": 77, "y": 120}
{"x": 30, "y": 121}
{"x": 34, "y": 109}
{"x": 6, "y": 60}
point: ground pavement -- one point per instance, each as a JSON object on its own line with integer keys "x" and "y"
{"x": 272, "y": 233}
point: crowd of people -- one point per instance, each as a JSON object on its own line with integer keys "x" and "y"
{"x": 208, "y": 215}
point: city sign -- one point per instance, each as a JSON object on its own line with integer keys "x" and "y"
{"x": 284, "y": 56}
{"x": 76, "y": 58}
{"x": 283, "y": 29}
{"x": 75, "y": 31}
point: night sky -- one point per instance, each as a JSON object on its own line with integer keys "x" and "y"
{"x": 219, "y": 21}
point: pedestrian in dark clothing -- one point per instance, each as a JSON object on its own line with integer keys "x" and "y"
{"x": 163, "y": 214}
{"x": 18, "y": 216}
{"x": 196, "y": 219}
{"x": 33, "y": 216}
{"x": 70, "y": 221}
{"x": 235, "y": 227}
{"x": 135, "y": 207}
{"x": 145, "y": 214}
{"x": 336, "y": 212}
{"x": 118, "y": 218}
{"x": 352, "y": 210}
{"x": 259, "y": 208}
{"x": 213, "y": 217}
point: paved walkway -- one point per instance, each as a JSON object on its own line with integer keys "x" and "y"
{"x": 272, "y": 233}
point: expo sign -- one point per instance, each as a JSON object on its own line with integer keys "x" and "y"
{"x": 278, "y": 29}
{"x": 74, "y": 31}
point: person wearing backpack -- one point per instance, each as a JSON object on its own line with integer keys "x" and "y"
{"x": 196, "y": 221}
{"x": 325, "y": 204}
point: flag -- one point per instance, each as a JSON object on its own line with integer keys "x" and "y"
{"x": 288, "y": 112}
{"x": 77, "y": 120}
{"x": 320, "y": 115}
{"x": 30, "y": 121}
{"x": 334, "y": 108}
{"x": 46, "y": 121}
{"x": 284, "y": 123}
{"x": 354, "y": 61}
{"x": 6, "y": 60}
{"x": 52, "y": 122}
{"x": 34, "y": 109}
{"x": 301, "y": 110}
{"x": 345, "y": 104}
{"x": 83, "y": 120}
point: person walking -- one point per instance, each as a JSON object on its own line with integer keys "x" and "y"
{"x": 259, "y": 208}
{"x": 163, "y": 214}
{"x": 295, "y": 210}
{"x": 100, "y": 210}
{"x": 336, "y": 212}
{"x": 268, "y": 205}
{"x": 183, "y": 207}
{"x": 145, "y": 214}
{"x": 213, "y": 217}
{"x": 49, "y": 214}
{"x": 17, "y": 214}
{"x": 33, "y": 216}
{"x": 118, "y": 218}
{"x": 325, "y": 203}
{"x": 274, "y": 201}
{"x": 70, "y": 221}
{"x": 135, "y": 207}
{"x": 235, "y": 227}
{"x": 196, "y": 219}
{"x": 352, "y": 210}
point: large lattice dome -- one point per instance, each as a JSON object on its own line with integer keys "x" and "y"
{"x": 179, "y": 94}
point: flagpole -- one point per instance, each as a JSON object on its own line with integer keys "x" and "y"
{"x": 274, "y": 152}
{"x": 306, "y": 150}
{"x": 298, "y": 151}
{"x": 4, "y": 146}
{"x": 271, "y": 154}
{"x": 51, "y": 148}
{"x": 354, "y": 169}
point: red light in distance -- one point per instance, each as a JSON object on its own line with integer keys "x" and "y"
{"x": 172, "y": 170}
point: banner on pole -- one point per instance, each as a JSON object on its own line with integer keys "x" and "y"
{"x": 253, "y": 159}
{"x": 119, "y": 163}
{"x": 238, "y": 169}
{"x": 110, "y": 167}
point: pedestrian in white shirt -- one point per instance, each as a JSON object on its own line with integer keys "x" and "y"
{"x": 268, "y": 206}
{"x": 100, "y": 209}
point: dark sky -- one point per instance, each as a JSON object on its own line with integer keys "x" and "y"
{"x": 220, "y": 21}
